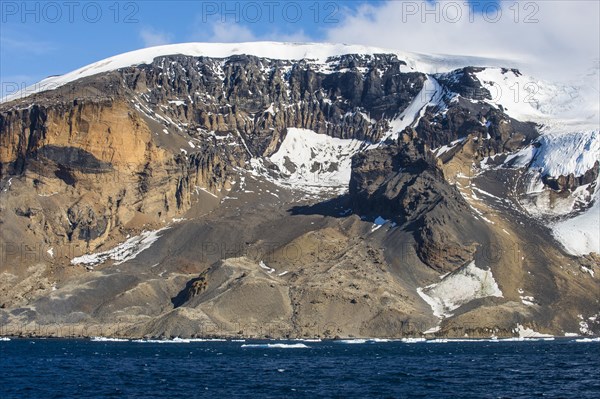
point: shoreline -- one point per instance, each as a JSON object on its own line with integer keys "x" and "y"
{"x": 347, "y": 340}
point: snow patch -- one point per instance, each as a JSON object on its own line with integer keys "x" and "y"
{"x": 522, "y": 158}
{"x": 584, "y": 327}
{"x": 198, "y": 188}
{"x": 527, "y": 300}
{"x": 562, "y": 154}
{"x": 270, "y": 110}
{"x": 124, "y": 252}
{"x": 265, "y": 267}
{"x": 431, "y": 95}
{"x": 458, "y": 288}
{"x": 587, "y": 270}
{"x": 432, "y": 330}
{"x": 529, "y": 333}
{"x": 580, "y": 235}
{"x": 313, "y": 162}
{"x": 559, "y": 107}
{"x": 569, "y": 153}
{"x": 377, "y": 223}
{"x": 445, "y": 148}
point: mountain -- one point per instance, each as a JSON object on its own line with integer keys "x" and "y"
{"x": 299, "y": 190}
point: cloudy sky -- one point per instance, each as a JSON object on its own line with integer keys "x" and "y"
{"x": 552, "y": 38}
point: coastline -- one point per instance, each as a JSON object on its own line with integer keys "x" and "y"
{"x": 343, "y": 340}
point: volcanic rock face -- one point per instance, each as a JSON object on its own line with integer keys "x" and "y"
{"x": 100, "y": 167}
{"x": 245, "y": 102}
{"x": 181, "y": 197}
{"x": 403, "y": 182}
{"x": 400, "y": 180}
{"x": 256, "y": 96}
{"x": 571, "y": 181}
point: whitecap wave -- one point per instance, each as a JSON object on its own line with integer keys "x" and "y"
{"x": 178, "y": 340}
{"x": 597, "y": 339}
{"x": 278, "y": 346}
{"x": 413, "y": 340}
{"x": 351, "y": 341}
{"x": 107, "y": 339}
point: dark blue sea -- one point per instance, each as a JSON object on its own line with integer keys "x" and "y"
{"x": 56, "y": 368}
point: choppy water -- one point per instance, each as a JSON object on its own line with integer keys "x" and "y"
{"x": 292, "y": 369}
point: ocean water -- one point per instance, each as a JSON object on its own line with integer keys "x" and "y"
{"x": 56, "y": 368}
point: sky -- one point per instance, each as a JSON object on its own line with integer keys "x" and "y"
{"x": 553, "y": 38}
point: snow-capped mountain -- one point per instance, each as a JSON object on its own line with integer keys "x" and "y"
{"x": 323, "y": 189}
{"x": 317, "y": 53}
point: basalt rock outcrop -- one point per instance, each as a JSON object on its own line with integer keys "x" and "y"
{"x": 404, "y": 183}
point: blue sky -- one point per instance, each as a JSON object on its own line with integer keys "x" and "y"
{"x": 38, "y": 39}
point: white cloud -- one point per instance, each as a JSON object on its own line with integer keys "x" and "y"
{"x": 296, "y": 37}
{"x": 25, "y": 45}
{"x": 229, "y": 32}
{"x": 152, "y": 37}
{"x": 566, "y": 34}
